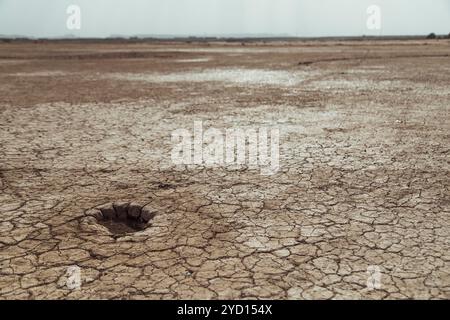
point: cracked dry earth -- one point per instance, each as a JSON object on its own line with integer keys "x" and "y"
{"x": 364, "y": 182}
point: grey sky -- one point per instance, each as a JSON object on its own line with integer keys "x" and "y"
{"x": 102, "y": 18}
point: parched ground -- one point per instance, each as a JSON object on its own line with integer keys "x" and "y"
{"x": 364, "y": 183}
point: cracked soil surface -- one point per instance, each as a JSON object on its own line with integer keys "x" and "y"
{"x": 364, "y": 179}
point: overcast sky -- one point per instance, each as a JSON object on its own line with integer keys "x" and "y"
{"x": 308, "y": 18}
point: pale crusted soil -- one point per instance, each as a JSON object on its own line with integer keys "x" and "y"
{"x": 364, "y": 178}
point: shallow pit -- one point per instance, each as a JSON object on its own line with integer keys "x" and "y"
{"x": 123, "y": 217}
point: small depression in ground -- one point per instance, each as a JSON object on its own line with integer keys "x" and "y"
{"x": 122, "y": 218}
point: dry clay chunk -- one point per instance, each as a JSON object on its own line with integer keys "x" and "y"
{"x": 108, "y": 211}
{"x": 147, "y": 213}
{"x": 121, "y": 209}
{"x": 134, "y": 211}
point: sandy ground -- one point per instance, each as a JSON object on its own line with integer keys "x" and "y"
{"x": 362, "y": 194}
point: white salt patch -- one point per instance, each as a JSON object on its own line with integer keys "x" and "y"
{"x": 240, "y": 76}
{"x": 11, "y": 61}
{"x": 360, "y": 84}
{"x": 39, "y": 74}
{"x": 193, "y": 60}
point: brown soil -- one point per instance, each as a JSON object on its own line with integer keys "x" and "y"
{"x": 364, "y": 178}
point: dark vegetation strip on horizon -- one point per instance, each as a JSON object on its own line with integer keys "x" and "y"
{"x": 189, "y": 39}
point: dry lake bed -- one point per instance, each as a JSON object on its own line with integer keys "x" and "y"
{"x": 92, "y": 204}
